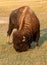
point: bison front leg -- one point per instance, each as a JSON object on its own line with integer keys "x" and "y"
{"x": 8, "y": 39}
{"x": 8, "y": 35}
{"x": 11, "y": 27}
{"x": 37, "y": 38}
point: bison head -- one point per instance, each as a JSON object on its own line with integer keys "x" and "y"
{"x": 20, "y": 42}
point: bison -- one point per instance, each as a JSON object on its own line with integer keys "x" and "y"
{"x": 28, "y": 28}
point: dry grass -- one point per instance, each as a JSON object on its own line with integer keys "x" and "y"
{"x": 8, "y": 5}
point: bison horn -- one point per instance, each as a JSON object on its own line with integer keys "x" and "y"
{"x": 24, "y": 38}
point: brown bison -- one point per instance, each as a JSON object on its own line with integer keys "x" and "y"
{"x": 28, "y": 28}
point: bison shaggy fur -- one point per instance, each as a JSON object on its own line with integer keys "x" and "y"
{"x": 30, "y": 30}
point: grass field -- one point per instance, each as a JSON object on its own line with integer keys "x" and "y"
{"x": 34, "y": 56}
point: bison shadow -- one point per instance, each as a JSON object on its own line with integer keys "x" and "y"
{"x": 43, "y": 38}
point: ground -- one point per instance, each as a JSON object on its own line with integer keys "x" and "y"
{"x": 34, "y": 56}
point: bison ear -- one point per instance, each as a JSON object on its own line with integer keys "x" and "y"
{"x": 24, "y": 38}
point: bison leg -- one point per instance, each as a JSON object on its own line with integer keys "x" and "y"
{"x": 11, "y": 27}
{"x": 8, "y": 39}
{"x": 37, "y": 38}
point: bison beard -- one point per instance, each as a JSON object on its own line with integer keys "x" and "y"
{"x": 28, "y": 28}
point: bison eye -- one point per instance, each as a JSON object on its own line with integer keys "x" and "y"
{"x": 24, "y": 38}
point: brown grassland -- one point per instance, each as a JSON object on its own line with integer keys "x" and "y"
{"x": 34, "y": 56}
